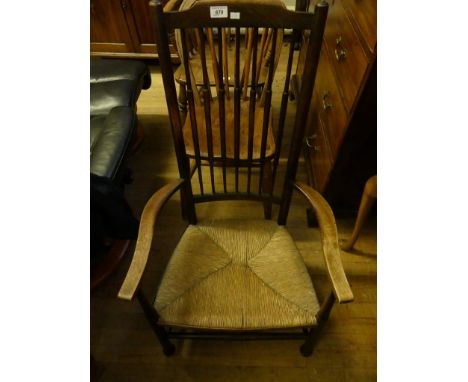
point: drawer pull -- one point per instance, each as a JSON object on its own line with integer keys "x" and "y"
{"x": 340, "y": 52}
{"x": 309, "y": 139}
{"x": 310, "y": 144}
{"x": 325, "y": 104}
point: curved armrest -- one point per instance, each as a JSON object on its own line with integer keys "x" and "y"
{"x": 145, "y": 238}
{"x": 172, "y": 5}
{"x": 331, "y": 248}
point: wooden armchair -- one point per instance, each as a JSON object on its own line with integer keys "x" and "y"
{"x": 236, "y": 277}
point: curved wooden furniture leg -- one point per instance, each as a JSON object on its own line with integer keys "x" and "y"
{"x": 368, "y": 198}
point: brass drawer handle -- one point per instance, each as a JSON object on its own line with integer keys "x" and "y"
{"x": 310, "y": 144}
{"x": 340, "y": 52}
{"x": 325, "y": 104}
{"x": 309, "y": 139}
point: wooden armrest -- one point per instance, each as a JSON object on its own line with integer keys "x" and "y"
{"x": 331, "y": 248}
{"x": 171, "y": 5}
{"x": 145, "y": 238}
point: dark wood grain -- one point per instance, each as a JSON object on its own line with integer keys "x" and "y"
{"x": 252, "y": 101}
{"x": 109, "y": 31}
{"x": 141, "y": 25}
{"x": 341, "y": 152}
{"x": 221, "y": 102}
{"x": 124, "y": 28}
{"x": 254, "y": 14}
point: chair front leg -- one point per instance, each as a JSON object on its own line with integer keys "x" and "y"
{"x": 153, "y": 318}
{"x": 308, "y": 346}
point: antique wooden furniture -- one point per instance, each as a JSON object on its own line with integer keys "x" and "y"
{"x": 369, "y": 196}
{"x": 124, "y": 28}
{"x": 196, "y": 70}
{"x": 340, "y": 143}
{"x": 237, "y": 278}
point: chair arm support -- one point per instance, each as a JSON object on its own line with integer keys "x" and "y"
{"x": 331, "y": 248}
{"x": 145, "y": 237}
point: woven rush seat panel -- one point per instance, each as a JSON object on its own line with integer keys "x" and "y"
{"x": 239, "y": 275}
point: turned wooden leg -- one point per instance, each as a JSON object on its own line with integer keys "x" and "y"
{"x": 367, "y": 201}
{"x": 267, "y": 187}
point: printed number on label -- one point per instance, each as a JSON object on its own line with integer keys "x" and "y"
{"x": 219, "y": 12}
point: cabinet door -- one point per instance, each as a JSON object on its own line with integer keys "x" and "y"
{"x": 140, "y": 20}
{"x": 109, "y": 31}
{"x": 142, "y": 26}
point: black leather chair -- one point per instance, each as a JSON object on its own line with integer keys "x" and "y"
{"x": 115, "y": 86}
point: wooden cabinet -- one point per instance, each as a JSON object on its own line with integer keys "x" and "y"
{"x": 124, "y": 28}
{"x": 109, "y": 32}
{"x": 340, "y": 143}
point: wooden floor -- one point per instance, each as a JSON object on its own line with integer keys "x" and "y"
{"x": 123, "y": 345}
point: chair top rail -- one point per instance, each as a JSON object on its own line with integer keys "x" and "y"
{"x": 239, "y": 13}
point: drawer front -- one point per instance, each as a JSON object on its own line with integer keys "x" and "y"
{"x": 345, "y": 52}
{"x": 317, "y": 149}
{"x": 364, "y": 12}
{"x": 319, "y": 157}
{"x": 331, "y": 108}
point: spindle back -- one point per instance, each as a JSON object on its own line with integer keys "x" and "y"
{"x": 230, "y": 52}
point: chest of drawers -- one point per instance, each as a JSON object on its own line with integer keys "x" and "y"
{"x": 340, "y": 143}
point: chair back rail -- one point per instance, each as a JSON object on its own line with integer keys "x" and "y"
{"x": 225, "y": 131}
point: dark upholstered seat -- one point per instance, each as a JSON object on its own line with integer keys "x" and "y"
{"x": 110, "y": 137}
{"x": 112, "y": 70}
{"x": 115, "y": 86}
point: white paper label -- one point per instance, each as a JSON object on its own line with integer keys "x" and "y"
{"x": 219, "y": 12}
{"x": 235, "y": 15}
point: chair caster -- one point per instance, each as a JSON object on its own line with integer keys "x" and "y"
{"x": 169, "y": 350}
